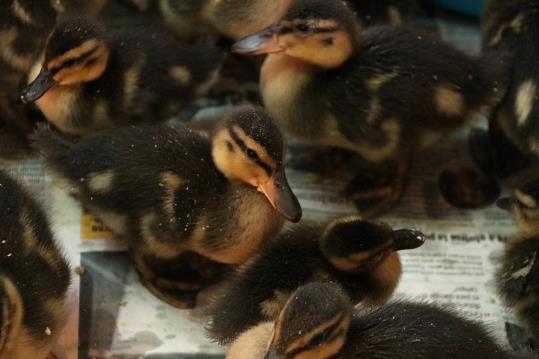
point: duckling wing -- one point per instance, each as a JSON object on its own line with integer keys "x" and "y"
{"x": 145, "y": 175}
{"x": 357, "y": 110}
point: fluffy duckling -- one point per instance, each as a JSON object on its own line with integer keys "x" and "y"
{"x": 24, "y": 27}
{"x": 359, "y": 255}
{"x": 92, "y": 79}
{"x": 231, "y": 18}
{"x": 318, "y": 321}
{"x": 171, "y": 191}
{"x": 512, "y": 27}
{"x": 376, "y": 12}
{"x": 34, "y": 277}
{"x": 87, "y": 7}
{"x": 384, "y": 93}
{"x": 518, "y": 277}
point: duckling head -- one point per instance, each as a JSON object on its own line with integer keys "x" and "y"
{"x": 525, "y": 206}
{"x": 249, "y": 148}
{"x": 313, "y": 324}
{"x": 322, "y": 33}
{"x": 76, "y": 53}
{"x": 355, "y": 245}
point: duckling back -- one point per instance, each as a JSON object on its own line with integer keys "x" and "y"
{"x": 96, "y": 79}
{"x": 374, "y": 12}
{"x": 34, "y": 276}
{"x": 231, "y": 18}
{"x": 260, "y": 288}
{"x": 410, "y": 78}
{"x": 512, "y": 26}
{"x": 412, "y": 330}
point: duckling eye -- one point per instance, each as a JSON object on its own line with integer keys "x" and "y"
{"x": 317, "y": 340}
{"x": 303, "y": 28}
{"x": 70, "y": 62}
{"x": 252, "y": 154}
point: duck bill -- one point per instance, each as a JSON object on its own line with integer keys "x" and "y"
{"x": 38, "y": 87}
{"x": 280, "y": 195}
{"x": 262, "y": 42}
{"x": 505, "y": 203}
{"x": 407, "y": 239}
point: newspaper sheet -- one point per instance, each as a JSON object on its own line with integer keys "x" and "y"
{"x": 113, "y": 316}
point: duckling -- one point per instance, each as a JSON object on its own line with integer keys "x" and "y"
{"x": 512, "y": 27}
{"x": 34, "y": 276}
{"x": 319, "y": 321}
{"x": 173, "y": 190}
{"x": 231, "y": 18}
{"x": 384, "y": 93}
{"x": 88, "y": 7}
{"x": 518, "y": 277}
{"x": 375, "y": 12}
{"x": 358, "y": 255}
{"x": 24, "y": 27}
{"x": 92, "y": 79}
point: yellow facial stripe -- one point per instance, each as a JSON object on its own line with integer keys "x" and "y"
{"x": 75, "y": 53}
{"x": 252, "y": 144}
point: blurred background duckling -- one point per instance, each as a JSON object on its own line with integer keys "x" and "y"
{"x": 376, "y": 12}
{"x": 518, "y": 277}
{"x": 384, "y": 93}
{"x": 171, "y": 191}
{"x": 358, "y": 255}
{"x": 24, "y": 27}
{"x": 319, "y": 321}
{"x": 513, "y": 137}
{"x": 93, "y": 79}
{"x": 231, "y": 18}
{"x": 34, "y": 277}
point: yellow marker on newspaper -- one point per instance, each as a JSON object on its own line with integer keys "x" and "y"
{"x": 92, "y": 228}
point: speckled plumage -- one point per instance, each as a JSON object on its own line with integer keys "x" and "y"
{"x": 34, "y": 276}
{"x": 511, "y": 27}
{"x": 384, "y": 93}
{"x": 259, "y": 289}
{"x": 518, "y": 275}
{"x": 376, "y": 12}
{"x": 319, "y": 322}
{"x": 159, "y": 187}
{"x": 230, "y": 18}
{"x": 133, "y": 75}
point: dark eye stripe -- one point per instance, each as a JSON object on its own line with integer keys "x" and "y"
{"x": 324, "y": 29}
{"x": 286, "y": 30}
{"x": 244, "y": 148}
{"x": 77, "y": 59}
{"x": 331, "y": 329}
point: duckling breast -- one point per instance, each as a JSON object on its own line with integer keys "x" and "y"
{"x": 234, "y": 234}
{"x": 59, "y": 106}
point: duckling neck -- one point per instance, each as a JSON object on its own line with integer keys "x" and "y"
{"x": 234, "y": 233}
{"x": 283, "y": 85}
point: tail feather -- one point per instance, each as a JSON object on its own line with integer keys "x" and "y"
{"x": 11, "y": 315}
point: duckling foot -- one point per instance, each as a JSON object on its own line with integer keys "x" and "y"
{"x": 177, "y": 281}
{"x": 374, "y": 193}
{"x": 51, "y": 356}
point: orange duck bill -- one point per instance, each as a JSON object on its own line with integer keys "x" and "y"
{"x": 280, "y": 195}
